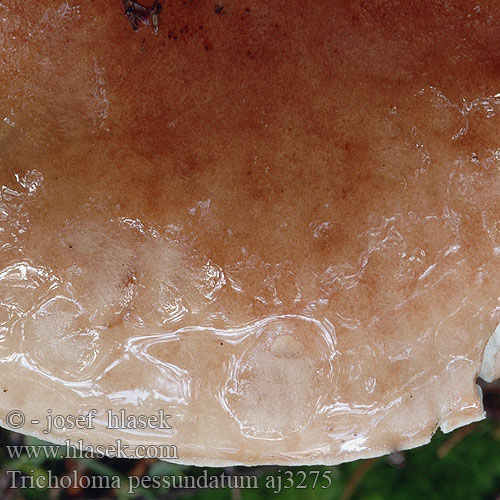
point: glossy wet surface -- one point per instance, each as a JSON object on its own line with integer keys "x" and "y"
{"x": 277, "y": 222}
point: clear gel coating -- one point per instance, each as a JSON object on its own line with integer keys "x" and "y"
{"x": 277, "y": 222}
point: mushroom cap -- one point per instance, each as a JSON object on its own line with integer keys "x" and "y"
{"x": 274, "y": 223}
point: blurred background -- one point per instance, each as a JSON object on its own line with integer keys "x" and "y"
{"x": 464, "y": 464}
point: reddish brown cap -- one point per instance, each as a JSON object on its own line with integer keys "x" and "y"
{"x": 272, "y": 227}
